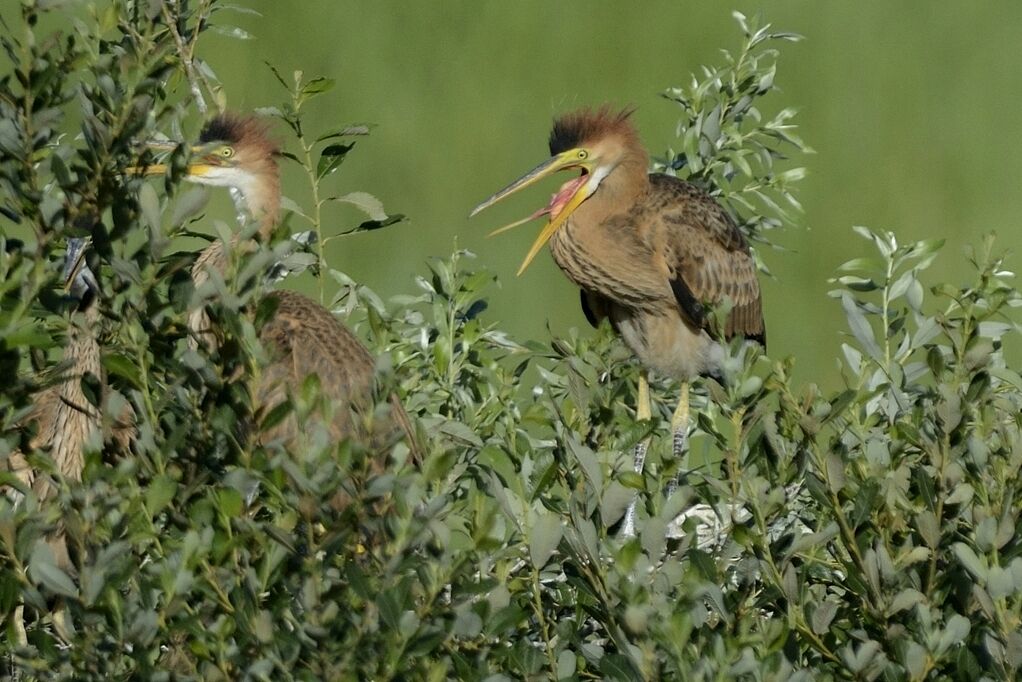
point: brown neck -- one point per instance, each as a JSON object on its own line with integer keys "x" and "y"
{"x": 262, "y": 200}
{"x": 83, "y": 352}
{"x": 265, "y": 207}
{"x": 212, "y": 258}
{"x": 619, "y": 190}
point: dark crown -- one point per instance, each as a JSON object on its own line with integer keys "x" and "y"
{"x": 586, "y": 125}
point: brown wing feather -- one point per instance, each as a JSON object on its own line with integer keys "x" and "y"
{"x": 707, "y": 257}
{"x": 308, "y": 339}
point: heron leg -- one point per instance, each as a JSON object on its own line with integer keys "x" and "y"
{"x": 679, "y": 431}
{"x": 61, "y": 624}
{"x": 643, "y": 412}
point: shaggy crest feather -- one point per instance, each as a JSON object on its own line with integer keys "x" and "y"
{"x": 239, "y": 129}
{"x": 585, "y": 125}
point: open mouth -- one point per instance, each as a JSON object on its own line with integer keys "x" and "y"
{"x": 557, "y": 202}
{"x": 564, "y": 195}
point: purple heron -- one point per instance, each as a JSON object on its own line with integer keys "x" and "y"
{"x": 238, "y": 153}
{"x": 64, "y": 417}
{"x": 649, "y": 251}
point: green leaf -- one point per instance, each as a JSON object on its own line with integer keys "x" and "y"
{"x": 316, "y": 86}
{"x": 1000, "y": 583}
{"x": 230, "y": 503}
{"x": 544, "y": 537}
{"x": 353, "y": 130}
{"x": 615, "y": 501}
{"x": 823, "y": 616}
{"x": 289, "y": 204}
{"x": 915, "y": 660}
{"x": 122, "y": 366}
{"x": 370, "y": 225}
{"x": 232, "y": 32}
{"x": 160, "y": 492}
{"x": 835, "y": 472}
{"x": 955, "y": 632}
{"x": 331, "y": 158}
{"x": 365, "y": 202}
{"x": 262, "y": 626}
{"x": 149, "y": 205}
{"x": 972, "y": 563}
{"x": 43, "y": 569}
{"x": 905, "y": 599}
{"x": 467, "y": 624}
{"x": 460, "y": 432}
{"x": 566, "y": 662}
{"x": 191, "y": 203}
{"x": 860, "y": 327}
{"x": 618, "y": 667}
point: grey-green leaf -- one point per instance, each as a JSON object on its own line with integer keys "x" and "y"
{"x": 544, "y": 537}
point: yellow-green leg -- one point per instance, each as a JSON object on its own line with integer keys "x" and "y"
{"x": 643, "y": 412}
{"x": 679, "y": 433}
{"x": 61, "y": 623}
{"x": 20, "y": 636}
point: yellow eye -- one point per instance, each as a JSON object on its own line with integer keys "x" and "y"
{"x": 582, "y": 154}
{"x": 227, "y": 152}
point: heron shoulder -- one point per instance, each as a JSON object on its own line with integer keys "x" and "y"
{"x": 312, "y": 334}
{"x": 685, "y": 208}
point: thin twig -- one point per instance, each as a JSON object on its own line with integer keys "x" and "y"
{"x": 184, "y": 53}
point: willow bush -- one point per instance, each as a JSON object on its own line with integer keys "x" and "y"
{"x": 867, "y": 533}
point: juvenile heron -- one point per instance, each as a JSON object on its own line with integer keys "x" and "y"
{"x": 64, "y": 418}
{"x": 649, "y": 251}
{"x": 305, "y": 338}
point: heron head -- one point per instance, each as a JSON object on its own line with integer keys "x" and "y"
{"x": 79, "y": 280}
{"x": 234, "y": 151}
{"x": 594, "y": 142}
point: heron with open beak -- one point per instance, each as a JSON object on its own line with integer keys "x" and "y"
{"x": 648, "y": 251}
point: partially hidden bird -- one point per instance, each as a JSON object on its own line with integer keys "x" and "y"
{"x": 64, "y": 418}
{"x": 237, "y": 152}
{"x": 649, "y": 251}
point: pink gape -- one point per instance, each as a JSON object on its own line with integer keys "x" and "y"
{"x": 558, "y": 200}
{"x": 556, "y": 205}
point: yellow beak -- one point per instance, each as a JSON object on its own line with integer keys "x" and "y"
{"x": 191, "y": 170}
{"x": 581, "y": 194}
{"x": 76, "y": 248}
{"x": 573, "y": 158}
{"x": 196, "y": 168}
{"x": 154, "y": 169}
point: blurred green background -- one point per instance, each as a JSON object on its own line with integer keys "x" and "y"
{"x": 912, "y": 109}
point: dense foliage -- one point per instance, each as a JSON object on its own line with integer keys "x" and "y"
{"x": 868, "y": 533}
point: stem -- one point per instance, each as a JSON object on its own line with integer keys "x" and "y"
{"x": 732, "y": 452}
{"x": 317, "y": 203}
{"x": 847, "y": 534}
{"x": 931, "y": 577}
{"x": 186, "y": 52}
{"x": 886, "y": 314}
{"x": 537, "y": 605}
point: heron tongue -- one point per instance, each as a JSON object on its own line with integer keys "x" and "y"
{"x": 556, "y": 205}
{"x": 563, "y": 196}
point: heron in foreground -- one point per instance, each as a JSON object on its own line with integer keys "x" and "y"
{"x": 305, "y": 338}
{"x": 649, "y": 251}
